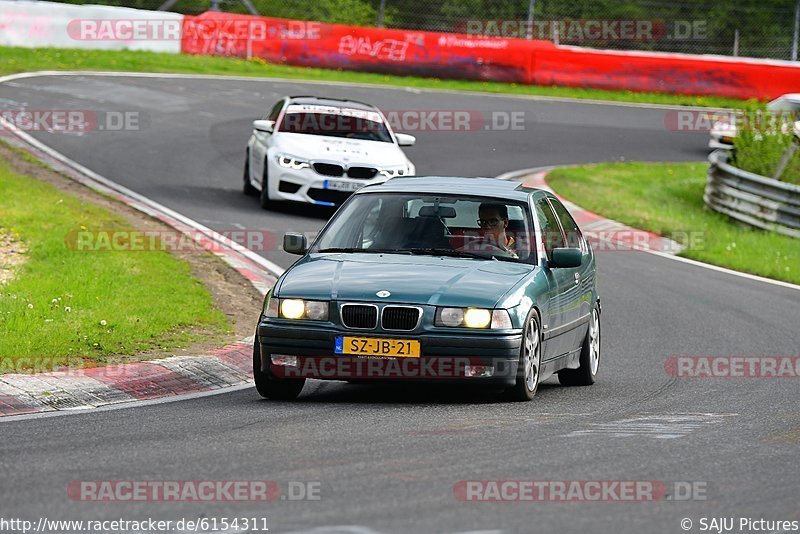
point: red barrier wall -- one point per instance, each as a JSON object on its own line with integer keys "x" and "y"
{"x": 446, "y": 55}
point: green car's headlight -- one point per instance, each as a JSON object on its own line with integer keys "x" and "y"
{"x": 312, "y": 310}
{"x": 473, "y": 318}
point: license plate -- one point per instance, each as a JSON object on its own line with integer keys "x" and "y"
{"x": 341, "y": 185}
{"x": 371, "y": 346}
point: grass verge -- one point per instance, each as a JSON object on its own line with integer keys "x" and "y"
{"x": 65, "y": 304}
{"x": 15, "y": 59}
{"x": 667, "y": 199}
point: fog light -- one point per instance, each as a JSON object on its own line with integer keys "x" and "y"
{"x": 284, "y": 360}
{"x": 478, "y": 371}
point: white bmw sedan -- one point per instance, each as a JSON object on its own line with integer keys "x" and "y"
{"x": 321, "y": 150}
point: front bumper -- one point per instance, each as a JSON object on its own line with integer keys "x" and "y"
{"x": 444, "y": 356}
{"x": 306, "y": 185}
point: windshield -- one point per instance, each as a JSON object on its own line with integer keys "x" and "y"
{"x": 335, "y": 122}
{"x": 438, "y": 225}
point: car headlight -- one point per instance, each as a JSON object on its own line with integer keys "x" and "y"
{"x": 291, "y": 162}
{"x": 312, "y": 310}
{"x": 473, "y": 318}
{"x": 392, "y": 173}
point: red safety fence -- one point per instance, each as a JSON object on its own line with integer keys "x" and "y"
{"x": 458, "y": 56}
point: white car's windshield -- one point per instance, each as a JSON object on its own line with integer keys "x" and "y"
{"x": 440, "y": 225}
{"x": 335, "y": 122}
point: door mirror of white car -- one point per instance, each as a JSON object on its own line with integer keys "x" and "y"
{"x": 797, "y": 129}
{"x": 264, "y": 126}
{"x": 405, "y": 139}
{"x": 295, "y": 243}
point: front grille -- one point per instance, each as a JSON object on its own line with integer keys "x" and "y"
{"x": 329, "y": 195}
{"x": 362, "y": 173}
{"x": 329, "y": 169}
{"x": 359, "y": 316}
{"x": 399, "y": 318}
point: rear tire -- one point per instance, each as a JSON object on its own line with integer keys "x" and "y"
{"x": 530, "y": 362}
{"x": 248, "y": 188}
{"x": 266, "y": 203}
{"x": 586, "y": 374}
{"x": 272, "y": 387}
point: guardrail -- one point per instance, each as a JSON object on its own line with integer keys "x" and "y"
{"x": 756, "y": 200}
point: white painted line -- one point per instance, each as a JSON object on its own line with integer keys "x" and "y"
{"x": 363, "y": 85}
{"x": 124, "y": 405}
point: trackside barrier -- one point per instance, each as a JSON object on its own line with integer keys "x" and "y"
{"x": 447, "y": 55}
{"x": 756, "y": 200}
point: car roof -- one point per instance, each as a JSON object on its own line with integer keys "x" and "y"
{"x": 334, "y": 102}
{"x": 485, "y": 187}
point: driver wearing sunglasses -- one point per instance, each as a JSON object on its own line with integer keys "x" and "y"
{"x": 493, "y": 220}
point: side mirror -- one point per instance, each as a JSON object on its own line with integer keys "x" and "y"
{"x": 405, "y": 139}
{"x": 264, "y": 126}
{"x": 566, "y": 257}
{"x": 295, "y": 243}
{"x": 797, "y": 129}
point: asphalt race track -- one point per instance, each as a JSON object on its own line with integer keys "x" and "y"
{"x": 388, "y": 458}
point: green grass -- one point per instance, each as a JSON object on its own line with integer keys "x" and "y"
{"x": 67, "y": 305}
{"x": 667, "y": 199}
{"x": 13, "y": 60}
{"x": 760, "y": 151}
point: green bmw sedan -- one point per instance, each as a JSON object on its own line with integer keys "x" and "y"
{"x": 446, "y": 279}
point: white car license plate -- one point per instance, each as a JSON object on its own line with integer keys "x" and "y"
{"x": 340, "y": 185}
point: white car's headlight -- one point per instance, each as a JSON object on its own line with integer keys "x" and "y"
{"x": 291, "y": 162}
{"x": 312, "y": 310}
{"x": 394, "y": 172}
{"x": 473, "y": 318}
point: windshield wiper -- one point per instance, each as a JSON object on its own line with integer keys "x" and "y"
{"x": 366, "y": 250}
{"x": 460, "y": 254}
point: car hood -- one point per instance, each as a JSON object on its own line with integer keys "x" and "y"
{"x": 410, "y": 279}
{"x": 348, "y": 151}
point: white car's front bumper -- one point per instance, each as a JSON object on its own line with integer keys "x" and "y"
{"x": 306, "y": 185}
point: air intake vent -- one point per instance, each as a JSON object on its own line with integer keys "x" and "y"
{"x": 359, "y": 316}
{"x": 399, "y": 318}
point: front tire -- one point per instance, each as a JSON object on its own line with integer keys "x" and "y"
{"x": 530, "y": 362}
{"x": 586, "y": 374}
{"x": 270, "y": 386}
{"x": 266, "y": 203}
{"x": 248, "y": 188}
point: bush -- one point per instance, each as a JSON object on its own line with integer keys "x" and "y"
{"x": 760, "y": 149}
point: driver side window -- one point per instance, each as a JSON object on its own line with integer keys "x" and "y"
{"x": 551, "y": 231}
